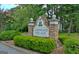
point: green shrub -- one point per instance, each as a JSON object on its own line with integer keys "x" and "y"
{"x": 45, "y": 45}
{"x": 71, "y": 46}
{"x": 8, "y": 35}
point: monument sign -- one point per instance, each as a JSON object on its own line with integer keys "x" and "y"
{"x": 40, "y": 29}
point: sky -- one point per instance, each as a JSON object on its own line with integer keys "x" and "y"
{"x": 7, "y": 6}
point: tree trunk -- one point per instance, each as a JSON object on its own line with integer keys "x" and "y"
{"x": 70, "y": 27}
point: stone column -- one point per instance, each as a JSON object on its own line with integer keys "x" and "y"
{"x": 30, "y": 27}
{"x": 54, "y": 31}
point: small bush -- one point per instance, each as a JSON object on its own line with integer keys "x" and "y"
{"x": 45, "y": 45}
{"x": 8, "y": 35}
{"x": 71, "y": 46}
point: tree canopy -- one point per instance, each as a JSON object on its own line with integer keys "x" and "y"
{"x": 20, "y": 16}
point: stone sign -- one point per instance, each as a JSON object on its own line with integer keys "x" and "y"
{"x": 40, "y": 29}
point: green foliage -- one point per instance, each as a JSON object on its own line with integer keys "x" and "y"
{"x": 63, "y": 37}
{"x": 8, "y": 35}
{"x": 70, "y": 42}
{"x": 23, "y": 13}
{"x": 20, "y": 16}
{"x": 45, "y": 45}
{"x": 71, "y": 46}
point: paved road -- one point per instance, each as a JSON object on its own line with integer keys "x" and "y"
{"x": 7, "y": 50}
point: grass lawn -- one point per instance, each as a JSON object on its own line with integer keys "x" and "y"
{"x": 71, "y": 35}
{"x": 66, "y": 36}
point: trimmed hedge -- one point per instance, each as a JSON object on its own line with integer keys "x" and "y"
{"x": 71, "y": 46}
{"x": 8, "y": 35}
{"x": 45, "y": 45}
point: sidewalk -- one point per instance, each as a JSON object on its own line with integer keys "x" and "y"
{"x": 8, "y": 50}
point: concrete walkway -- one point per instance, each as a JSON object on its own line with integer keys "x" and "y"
{"x": 8, "y": 50}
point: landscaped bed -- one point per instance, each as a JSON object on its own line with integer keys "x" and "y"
{"x": 70, "y": 42}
